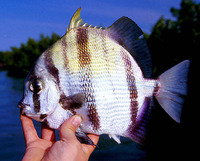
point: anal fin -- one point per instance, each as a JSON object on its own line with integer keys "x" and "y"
{"x": 115, "y": 137}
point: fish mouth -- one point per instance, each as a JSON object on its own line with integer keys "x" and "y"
{"x": 22, "y": 105}
{"x": 38, "y": 117}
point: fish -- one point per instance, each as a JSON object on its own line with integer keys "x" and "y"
{"x": 105, "y": 76}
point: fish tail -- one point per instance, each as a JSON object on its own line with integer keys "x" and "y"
{"x": 172, "y": 89}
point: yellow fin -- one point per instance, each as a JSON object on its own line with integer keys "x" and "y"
{"x": 76, "y": 20}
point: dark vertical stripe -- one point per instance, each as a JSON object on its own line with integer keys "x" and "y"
{"x": 82, "y": 41}
{"x": 139, "y": 132}
{"x": 64, "y": 53}
{"x": 32, "y": 78}
{"x": 36, "y": 101}
{"x": 54, "y": 71}
{"x": 64, "y": 101}
{"x": 131, "y": 87}
{"x": 86, "y": 76}
{"x": 50, "y": 66}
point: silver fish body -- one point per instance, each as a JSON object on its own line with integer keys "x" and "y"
{"x": 90, "y": 72}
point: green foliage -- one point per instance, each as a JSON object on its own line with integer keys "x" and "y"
{"x": 173, "y": 41}
{"x": 20, "y": 60}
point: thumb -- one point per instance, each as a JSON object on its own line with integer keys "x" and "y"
{"x": 68, "y": 128}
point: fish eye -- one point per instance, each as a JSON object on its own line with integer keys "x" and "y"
{"x": 36, "y": 86}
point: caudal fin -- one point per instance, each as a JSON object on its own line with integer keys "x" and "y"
{"x": 173, "y": 89}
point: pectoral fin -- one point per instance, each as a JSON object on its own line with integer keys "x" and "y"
{"x": 83, "y": 138}
{"x": 116, "y": 138}
{"x": 72, "y": 102}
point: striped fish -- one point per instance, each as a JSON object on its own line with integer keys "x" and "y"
{"x": 104, "y": 75}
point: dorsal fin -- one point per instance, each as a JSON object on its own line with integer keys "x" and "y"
{"x": 127, "y": 33}
{"x": 76, "y": 20}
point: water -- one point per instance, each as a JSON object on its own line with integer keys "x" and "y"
{"x": 12, "y": 144}
{"x": 11, "y": 136}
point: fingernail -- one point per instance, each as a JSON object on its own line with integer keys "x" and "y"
{"x": 76, "y": 121}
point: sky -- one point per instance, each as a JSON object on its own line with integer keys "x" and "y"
{"x": 21, "y": 19}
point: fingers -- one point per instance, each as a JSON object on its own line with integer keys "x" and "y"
{"x": 30, "y": 134}
{"x": 68, "y": 128}
{"x": 67, "y": 133}
{"x": 48, "y": 134}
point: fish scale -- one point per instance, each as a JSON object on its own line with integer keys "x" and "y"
{"x": 103, "y": 75}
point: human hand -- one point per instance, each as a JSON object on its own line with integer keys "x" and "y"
{"x": 68, "y": 148}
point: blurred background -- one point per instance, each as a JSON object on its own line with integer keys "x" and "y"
{"x": 172, "y": 31}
